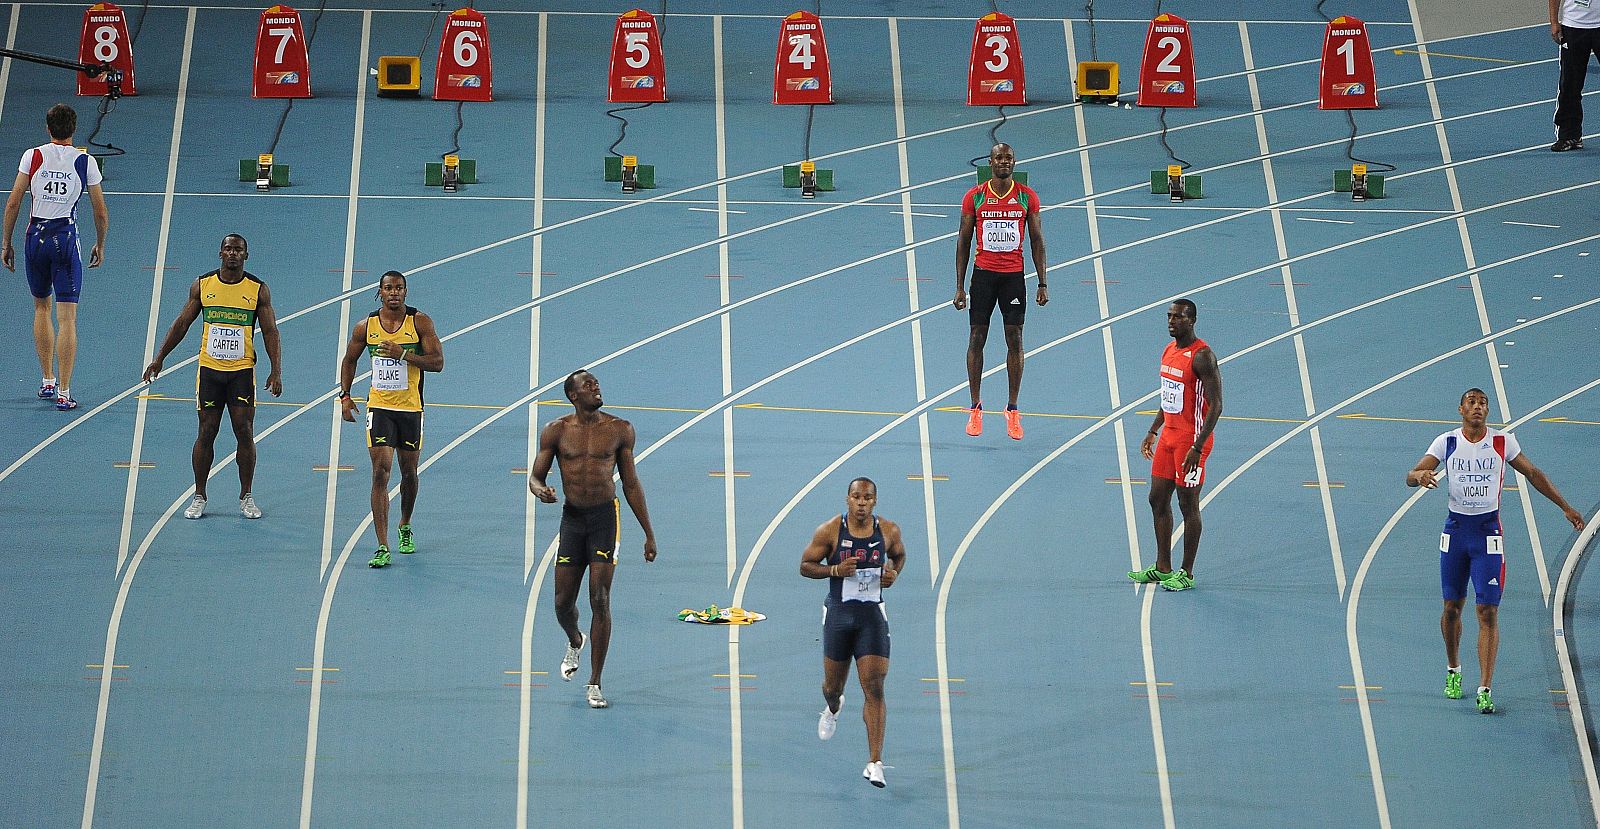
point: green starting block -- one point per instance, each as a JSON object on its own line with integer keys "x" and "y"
{"x": 1342, "y": 183}
{"x": 791, "y": 177}
{"x": 433, "y": 173}
{"x": 247, "y": 172}
{"x": 1191, "y": 186}
{"x": 644, "y": 175}
{"x": 985, "y": 172}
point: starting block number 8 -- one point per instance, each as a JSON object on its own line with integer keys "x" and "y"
{"x": 105, "y": 44}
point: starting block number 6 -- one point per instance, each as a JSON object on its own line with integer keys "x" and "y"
{"x": 466, "y": 47}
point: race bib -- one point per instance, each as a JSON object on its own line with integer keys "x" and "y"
{"x": 225, "y": 342}
{"x": 864, "y": 586}
{"x": 1494, "y": 545}
{"x": 389, "y": 374}
{"x": 1002, "y": 235}
{"x": 1171, "y": 396}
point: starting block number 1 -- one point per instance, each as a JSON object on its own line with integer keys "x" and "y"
{"x": 1347, "y": 80}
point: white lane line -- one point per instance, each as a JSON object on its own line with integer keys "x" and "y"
{"x": 96, "y": 751}
{"x": 1287, "y": 276}
{"x": 1569, "y": 680}
{"x": 725, "y": 323}
{"x": 722, "y": 188}
{"x": 525, "y": 688}
{"x": 535, "y": 328}
{"x": 352, "y": 206}
{"x": 1146, "y": 636}
{"x": 924, "y": 443}
{"x": 309, "y": 771}
{"x": 1327, "y": 221}
{"x": 905, "y": 208}
{"x": 908, "y": 233}
{"x": 1502, "y": 400}
{"x": 730, "y": 537}
{"x": 153, "y": 323}
{"x": 1531, "y": 224}
{"x": 1126, "y": 218}
{"x": 76, "y": 422}
{"x": 1358, "y": 671}
{"x": 11, "y": 43}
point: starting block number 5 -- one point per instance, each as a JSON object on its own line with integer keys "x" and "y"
{"x": 637, "y": 48}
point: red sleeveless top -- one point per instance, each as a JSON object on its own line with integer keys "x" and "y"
{"x": 1183, "y": 399}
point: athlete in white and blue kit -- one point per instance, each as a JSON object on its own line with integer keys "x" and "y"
{"x": 1475, "y": 458}
{"x": 859, "y": 554}
{"x": 57, "y": 174}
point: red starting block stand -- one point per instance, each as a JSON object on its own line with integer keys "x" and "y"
{"x": 1166, "y": 74}
{"x": 281, "y": 70}
{"x": 105, "y": 40}
{"x": 464, "y": 71}
{"x": 994, "y": 75}
{"x": 638, "y": 71}
{"x": 1347, "y": 77}
{"x": 800, "y": 75}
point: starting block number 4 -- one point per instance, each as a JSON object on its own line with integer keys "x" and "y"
{"x": 464, "y": 71}
{"x": 105, "y": 40}
{"x": 800, "y": 75}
